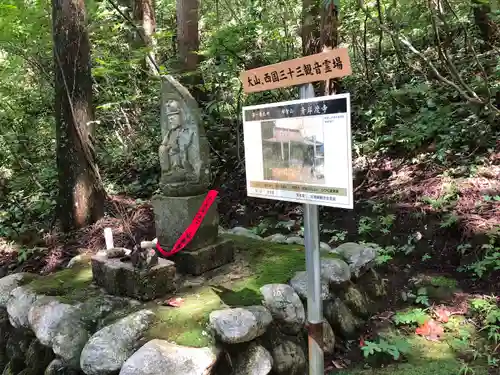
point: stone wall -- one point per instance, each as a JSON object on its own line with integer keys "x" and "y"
{"x": 104, "y": 334}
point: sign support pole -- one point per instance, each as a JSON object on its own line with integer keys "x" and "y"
{"x": 313, "y": 268}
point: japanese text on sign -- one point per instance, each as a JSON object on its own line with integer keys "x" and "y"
{"x": 322, "y": 66}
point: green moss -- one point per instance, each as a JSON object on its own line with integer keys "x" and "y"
{"x": 70, "y": 284}
{"x": 186, "y": 325}
{"x": 442, "y": 281}
{"x": 270, "y": 263}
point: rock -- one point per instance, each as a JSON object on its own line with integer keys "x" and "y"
{"x": 154, "y": 357}
{"x": 93, "y": 310}
{"x": 359, "y": 257}
{"x": 336, "y": 271}
{"x": 13, "y": 367}
{"x": 18, "y": 343}
{"x": 295, "y": 240}
{"x": 343, "y": 321}
{"x": 78, "y": 260}
{"x": 328, "y": 338}
{"x": 372, "y": 284}
{"x": 109, "y": 348}
{"x": 58, "y": 367}
{"x": 240, "y": 231}
{"x": 276, "y": 238}
{"x": 45, "y": 315}
{"x": 240, "y": 325}
{"x": 20, "y": 301}
{"x": 4, "y": 325}
{"x": 11, "y": 282}
{"x": 38, "y": 356}
{"x": 299, "y": 284}
{"x": 357, "y": 301}
{"x": 69, "y": 340}
{"x": 256, "y": 360}
{"x": 288, "y": 359}
{"x": 323, "y": 246}
{"x": 285, "y": 307}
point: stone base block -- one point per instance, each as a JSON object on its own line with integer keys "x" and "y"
{"x": 205, "y": 259}
{"x": 173, "y": 215}
{"x": 122, "y": 279}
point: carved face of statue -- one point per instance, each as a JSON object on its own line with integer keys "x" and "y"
{"x": 173, "y": 113}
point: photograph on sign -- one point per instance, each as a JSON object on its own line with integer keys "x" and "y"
{"x": 300, "y": 151}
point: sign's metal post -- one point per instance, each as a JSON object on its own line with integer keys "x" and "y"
{"x": 313, "y": 268}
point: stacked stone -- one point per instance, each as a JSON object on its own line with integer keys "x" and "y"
{"x": 272, "y": 337}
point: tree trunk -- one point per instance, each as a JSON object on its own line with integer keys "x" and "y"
{"x": 310, "y": 27}
{"x": 329, "y": 39}
{"x": 144, "y": 18}
{"x": 483, "y": 23}
{"x": 81, "y": 194}
{"x": 188, "y": 44}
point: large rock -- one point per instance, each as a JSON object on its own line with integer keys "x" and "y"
{"x": 359, "y": 257}
{"x": 96, "y": 309}
{"x": 20, "y": 301}
{"x": 288, "y": 359}
{"x": 58, "y": 367}
{"x": 38, "y": 356}
{"x": 345, "y": 323}
{"x": 299, "y": 284}
{"x": 285, "y": 307}
{"x": 109, "y": 348}
{"x": 255, "y": 360}
{"x": 11, "y": 282}
{"x": 240, "y": 231}
{"x": 157, "y": 356}
{"x": 240, "y": 325}
{"x": 18, "y": 343}
{"x": 328, "y": 338}
{"x": 358, "y": 301}
{"x": 69, "y": 340}
{"x": 45, "y": 315}
{"x": 336, "y": 271}
{"x": 13, "y": 367}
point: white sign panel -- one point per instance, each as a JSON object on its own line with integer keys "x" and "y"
{"x": 300, "y": 151}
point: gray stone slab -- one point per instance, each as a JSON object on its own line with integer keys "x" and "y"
{"x": 173, "y": 215}
{"x": 205, "y": 259}
{"x": 122, "y": 279}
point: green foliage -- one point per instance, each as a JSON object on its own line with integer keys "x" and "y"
{"x": 416, "y": 316}
{"x": 395, "y": 349}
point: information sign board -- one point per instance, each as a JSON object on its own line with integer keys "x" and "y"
{"x": 300, "y": 151}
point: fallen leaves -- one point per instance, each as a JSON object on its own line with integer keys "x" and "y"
{"x": 174, "y": 302}
{"x": 442, "y": 314}
{"x": 431, "y": 330}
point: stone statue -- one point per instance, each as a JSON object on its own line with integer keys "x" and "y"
{"x": 184, "y": 152}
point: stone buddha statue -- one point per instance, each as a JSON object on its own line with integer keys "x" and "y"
{"x": 183, "y": 152}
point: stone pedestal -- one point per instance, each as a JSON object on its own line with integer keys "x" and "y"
{"x": 121, "y": 279}
{"x": 196, "y": 262}
{"x": 174, "y": 214}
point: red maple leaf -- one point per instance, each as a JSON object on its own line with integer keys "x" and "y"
{"x": 431, "y": 330}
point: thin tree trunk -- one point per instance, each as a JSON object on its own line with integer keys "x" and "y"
{"x": 310, "y": 27}
{"x": 81, "y": 194}
{"x": 329, "y": 39}
{"x": 188, "y": 44}
{"x": 144, "y": 18}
